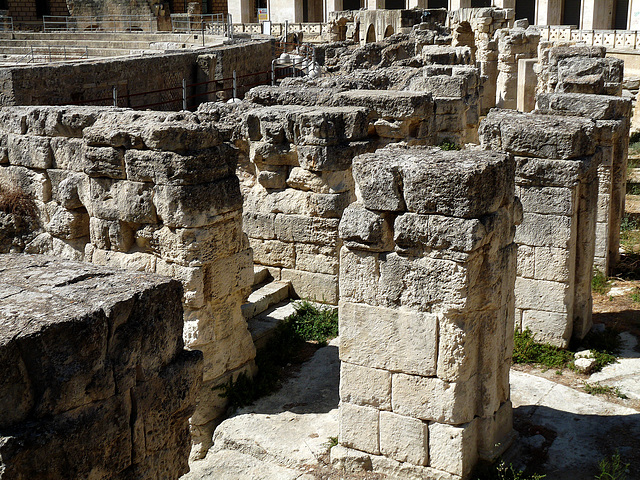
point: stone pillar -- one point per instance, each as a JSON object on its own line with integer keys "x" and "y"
{"x": 556, "y": 179}
{"x": 549, "y": 12}
{"x": 611, "y": 115}
{"x": 527, "y": 81}
{"x": 513, "y": 45}
{"x": 597, "y": 15}
{"x": 426, "y": 312}
{"x": 240, "y": 11}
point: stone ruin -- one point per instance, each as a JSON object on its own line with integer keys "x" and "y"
{"x": 336, "y": 185}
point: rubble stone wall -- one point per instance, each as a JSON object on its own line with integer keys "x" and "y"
{"x": 94, "y": 380}
{"x": 144, "y": 191}
{"x": 557, "y": 160}
{"x": 426, "y": 311}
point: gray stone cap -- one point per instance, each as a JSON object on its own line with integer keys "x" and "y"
{"x": 268, "y": 95}
{"x": 598, "y": 107}
{"x": 540, "y": 136}
{"x": 427, "y": 180}
{"x": 37, "y": 291}
{"x": 388, "y": 103}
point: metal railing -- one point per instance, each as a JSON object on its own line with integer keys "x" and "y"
{"x": 6, "y": 23}
{"x": 54, "y": 53}
{"x": 210, "y": 23}
{"x": 613, "y": 39}
{"x": 100, "y": 23}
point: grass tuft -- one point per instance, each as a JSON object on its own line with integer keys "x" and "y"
{"x": 448, "y": 144}
{"x": 501, "y": 471}
{"x": 597, "y": 389}
{"x": 600, "y": 282}
{"x": 314, "y": 324}
{"x": 14, "y": 201}
{"x": 612, "y": 468}
{"x": 527, "y": 350}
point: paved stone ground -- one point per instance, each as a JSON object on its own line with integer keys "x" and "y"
{"x": 563, "y": 431}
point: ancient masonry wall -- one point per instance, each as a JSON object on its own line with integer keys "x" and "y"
{"x": 426, "y": 311}
{"x": 513, "y": 45}
{"x": 145, "y": 191}
{"x": 557, "y": 160}
{"x": 483, "y": 22}
{"x": 94, "y": 380}
{"x": 90, "y": 81}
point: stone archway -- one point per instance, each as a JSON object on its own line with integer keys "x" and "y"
{"x": 371, "y": 34}
{"x": 389, "y": 31}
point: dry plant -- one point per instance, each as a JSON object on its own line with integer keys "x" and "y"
{"x": 14, "y": 201}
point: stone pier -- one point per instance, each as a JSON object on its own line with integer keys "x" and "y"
{"x": 426, "y": 312}
{"x": 611, "y": 115}
{"x": 557, "y": 161}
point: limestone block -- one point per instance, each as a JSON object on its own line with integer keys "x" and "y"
{"x": 228, "y": 275}
{"x": 545, "y": 172}
{"x": 215, "y": 321}
{"x": 446, "y": 86}
{"x": 34, "y": 184}
{"x": 451, "y": 124}
{"x": 192, "y": 279}
{"x": 303, "y": 229}
{"x": 542, "y": 136}
{"x": 548, "y": 327}
{"x": 329, "y": 158}
{"x": 320, "y": 182}
{"x": 378, "y": 183}
{"x": 329, "y": 125}
{"x": 269, "y": 124}
{"x": 274, "y": 252}
{"x": 196, "y": 246}
{"x": 404, "y": 439}
{"x": 548, "y": 200}
{"x": 69, "y": 189}
{"x": 179, "y": 135}
{"x": 45, "y": 244}
{"x": 365, "y": 386}
{"x": 526, "y": 261}
{"x": 170, "y": 168}
{"x": 226, "y": 354}
{"x": 449, "y": 106}
{"x": 121, "y": 200}
{"x": 258, "y": 225}
{"x": 495, "y": 432}
{"x": 196, "y": 205}
{"x": 269, "y": 154}
{"x": 316, "y": 258}
{"x": 599, "y": 107}
{"x": 359, "y": 274}
{"x": 272, "y": 177}
{"x": 389, "y": 104}
{"x": 68, "y": 224}
{"x": 553, "y": 264}
{"x": 392, "y": 339}
{"x": 29, "y": 151}
{"x": 67, "y": 153}
{"x": 459, "y": 339}
{"x": 543, "y": 295}
{"x": 453, "y": 448}
{"x": 135, "y": 261}
{"x": 431, "y": 399}
{"x": 417, "y": 233}
{"x": 104, "y": 162}
{"x": 546, "y": 231}
{"x": 318, "y": 287}
{"x": 359, "y": 428}
{"x": 364, "y": 229}
{"x": 111, "y": 234}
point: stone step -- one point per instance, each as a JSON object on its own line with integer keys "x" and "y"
{"x": 262, "y": 326}
{"x": 260, "y": 274}
{"x": 264, "y": 297}
{"x": 633, "y": 176}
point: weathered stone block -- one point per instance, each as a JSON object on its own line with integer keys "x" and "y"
{"x": 29, "y": 151}
{"x": 299, "y": 228}
{"x": 34, "y": 184}
{"x": 319, "y": 287}
{"x": 68, "y": 224}
{"x": 229, "y": 275}
{"x": 273, "y": 252}
{"x": 396, "y": 340}
{"x": 548, "y": 327}
{"x": 103, "y": 162}
{"x": 121, "y": 200}
{"x": 317, "y": 258}
{"x": 546, "y": 231}
{"x": 359, "y": 428}
{"x": 543, "y": 295}
{"x": 320, "y": 182}
{"x": 329, "y": 158}
{"x": 360, "y": 228}
{"x": 453, "y": 448}
{"x": 548, "y": 200}
{"x": 359, "y": 274}
{"x": 365, "y": 386}
{"x": 404, "y": 439}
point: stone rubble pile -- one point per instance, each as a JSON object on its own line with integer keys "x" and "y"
{"x": 94, "y": 379}
{"x": 426, "y": 311}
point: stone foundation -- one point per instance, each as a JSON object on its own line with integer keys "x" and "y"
{"x": 94, "y": 380}
{"x": 426, "y": 311}
{"x": 557, "y": 160}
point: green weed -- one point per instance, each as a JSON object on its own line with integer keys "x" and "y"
{"x": 597, "y": 389}
{"x": 527, "y": 350}
{"x": 635, "y": 295}
{"x": 502, "y": 471}
{"x": 332, "y": 442}
{"x": 605, "y": 345}
{"x": 600, "y": 282}
{"x": 612, "y": 468}
{"x": 314, "y": 324}
{"x": 448, "y": 144}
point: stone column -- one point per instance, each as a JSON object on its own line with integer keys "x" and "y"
{"x": 597, "y": 15}
{"x": 549, "y": 12}
{"x": 527, "y": 81}
{"x": 240, "y": 11}
{"x": 426, "y": 312}
{"x": 556, "y": 179}
{"x": 513, "y": 45}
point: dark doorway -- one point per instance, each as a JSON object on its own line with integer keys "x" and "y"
{"x": 571, "y": 12}
{"x": 42, "y": 8}
{"x": 305, "y": 10}
{"x": 439, "y": 4}
{"x": 351, "y": 4}
{"x": 622, "y": 12}
{"x": 480, "y": 3}
{"x": 388, "y": 32}
{"x": 371, "y": 34}
{"x": 526, "y": 9}
{"x": 394, "y": 4}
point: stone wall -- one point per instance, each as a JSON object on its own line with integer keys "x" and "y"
{"x": 557, "y": 160}
{"x": 145, "y": 191}
{"x": 94, "y": 380}
{"x": 86, "y": 82}
{"x": 426, "y": 312}
{"x": 513, "y": 45}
